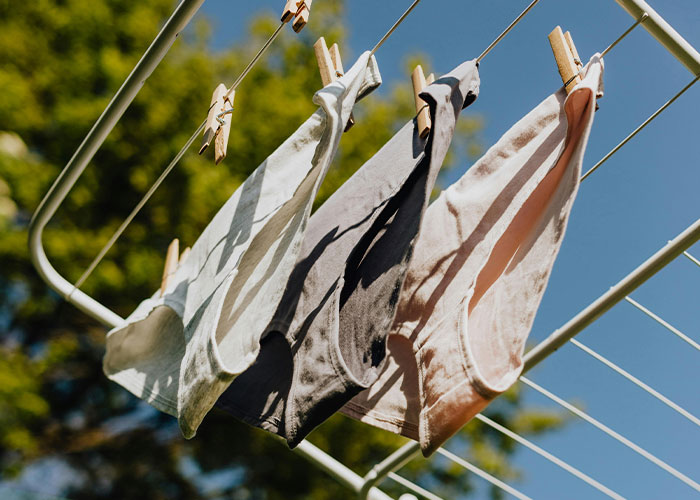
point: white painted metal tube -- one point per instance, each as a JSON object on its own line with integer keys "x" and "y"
{"x": 617, "y": 293}
{"x": 337, "y": 470}
{"x": 664, "y": 33}
{"x": 82, "y": 156}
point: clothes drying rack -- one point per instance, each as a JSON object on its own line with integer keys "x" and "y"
{"x": 367, "y": 486}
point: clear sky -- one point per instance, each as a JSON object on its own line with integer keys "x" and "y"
{"x": 645, "y": 195}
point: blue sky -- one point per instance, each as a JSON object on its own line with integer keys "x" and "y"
{"x": 645, "y": 195}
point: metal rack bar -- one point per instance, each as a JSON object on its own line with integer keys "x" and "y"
{"x": 82, "y": 156}
{"x": 664, "y": 33}
{"x": 337, "y": 470}
{"x": 390, "y": 464}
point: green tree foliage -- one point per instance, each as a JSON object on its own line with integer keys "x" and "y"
{"x": 60, "y": 63}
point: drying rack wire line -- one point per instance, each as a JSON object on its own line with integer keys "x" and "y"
{"x": 394, "y": 26}
{"x": 663, "y": 322}
{"x": 483, "y": 54}
{"x": 506, "y": 31}
{"x": 645, "y": 387}
{"x": 125, "y": 223}
{"x": 615, "y": 435}
{"x": 122, "y": 227}
{"x": 482, "y": 474}
{"x": 555, "y": 460}
{"x": 611, "y": 46}
{"x": 414, "y": 488}
{"x": 255, "y": 59}
{"x": 181, "y": 16}
{"x": 629, "y": 30}
{"x": 692, "y": 259}
{"x": 639, "y": 128}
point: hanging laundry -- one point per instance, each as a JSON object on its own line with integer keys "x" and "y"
{"x": 327, "y": 341}
{"x": 180, "y": 351}
{"x": 478, "y": 273}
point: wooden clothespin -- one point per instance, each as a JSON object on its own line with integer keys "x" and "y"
{"x": 331, "y": 67}
{"x": 170, "y": 264}
{"x": 422, "y": 111}
{"x": 299, "y": 10}
{"x": 564, "y": 55}
{"x": 218, "y": 125}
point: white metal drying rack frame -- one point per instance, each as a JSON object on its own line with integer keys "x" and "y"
{"x": 365, "y": 486}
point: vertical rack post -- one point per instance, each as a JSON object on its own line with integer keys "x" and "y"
{"x": 82, "y": 156}
{"x": 664, "y": 33}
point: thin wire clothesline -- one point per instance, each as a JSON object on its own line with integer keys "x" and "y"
{"x": 629, "y": 30}
{"x": 394, "y": 26}
{"x": 115, "y": 236}
{"x": 506, "y": 31}
{"x": 639, "y": 129}
{"x": 482, "y": 474}
{"x": 676, "y": 407}
{"x": 555, "y": 460}
{"x": 663, "y": 323}
{"x": 122, "y": 227}
{"x": 613, "y": 434}
{"x": 692, "y": 259}
{"x": 413, "y": 487}
{"x": 525, "y": 442}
